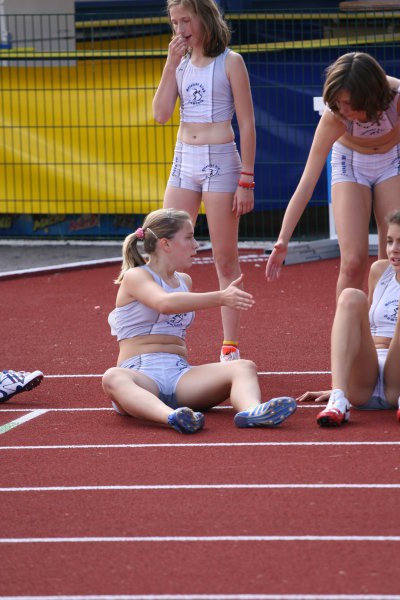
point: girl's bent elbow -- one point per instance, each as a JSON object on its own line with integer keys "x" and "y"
{"x": 161, "y": 117}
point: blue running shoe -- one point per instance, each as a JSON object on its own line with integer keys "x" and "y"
{"x": 268, "y": 414}
{"x": 185, "y": 420}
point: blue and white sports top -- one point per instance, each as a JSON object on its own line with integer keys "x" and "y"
{"x": 205, "y": 92}
{"x": 388, "y": 121}
{"x": 385, "y": 305}
{"x": 136, "y": 318}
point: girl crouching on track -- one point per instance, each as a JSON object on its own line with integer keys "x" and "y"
{"x": 154, "y": 307}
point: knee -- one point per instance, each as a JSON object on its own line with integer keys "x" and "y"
{"x": 110, "y": 379}
{"x": 353, "y": 266}
{"x": 352, "y": 299}
{"x": 245, "y": 367}
{"x": 227, "y": 266}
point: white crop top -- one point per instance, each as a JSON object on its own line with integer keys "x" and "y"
{"x": 205, "y": 92}
{"x": 385, "y": 305}
{"x": 136, "y": 318}
{"x": 388, "y": 121}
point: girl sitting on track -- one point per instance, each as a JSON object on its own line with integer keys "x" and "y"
{"x": 154, "y": 307}
{"x": 365, "y": 345}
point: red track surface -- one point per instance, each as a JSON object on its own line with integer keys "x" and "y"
{"x": 95, "y": 504}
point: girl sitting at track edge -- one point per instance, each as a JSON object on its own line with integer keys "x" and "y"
{"x": 365, "y": 344}
{"x": 154, "y": 307}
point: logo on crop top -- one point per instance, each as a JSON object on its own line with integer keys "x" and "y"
{"x": 196, "y": 92}
{"x": 211, "y": 170}
{"x": 392, "y": 309}
{"x": 176, "y": 320}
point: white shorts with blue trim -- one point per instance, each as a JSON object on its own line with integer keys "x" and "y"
{"x": 164, "y": 369}
{"x": 206, "y": 168}
{"x": 365, "y": 169}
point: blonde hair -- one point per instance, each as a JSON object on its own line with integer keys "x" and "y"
{"x": 162, "y": 223}
{"x": 216, "y": 33}
{"x": 364, "y": 79}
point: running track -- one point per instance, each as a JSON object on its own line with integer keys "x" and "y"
{"x": 98, "y": 506}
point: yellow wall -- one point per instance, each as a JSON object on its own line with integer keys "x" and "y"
{"x": 82, "y": 139}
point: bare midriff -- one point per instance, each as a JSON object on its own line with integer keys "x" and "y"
{"x": 146, "y": 344}
{"x": 206, "y": 133}
{"x": 378, "y": 145}
{"x": 381, "y": 342}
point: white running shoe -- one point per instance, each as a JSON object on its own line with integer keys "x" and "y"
{"x": 229, "y": 353}
{"x": 14, "y": 382}
{"x": 337, "y": 410}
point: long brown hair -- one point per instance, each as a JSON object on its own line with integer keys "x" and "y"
{"x": 161, "y": 223}
{"x": 216, "y": 33}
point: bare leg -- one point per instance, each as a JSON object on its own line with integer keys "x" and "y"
{"x": 182, "y": 199}
{"x": 135, "y": 394}
{"x": 354, "y": 362}
{"x": 386, "y": 200}
{"x": 223, "y": 227}
{"x": 208, "y": 385}
{"x": 351, "y": 205}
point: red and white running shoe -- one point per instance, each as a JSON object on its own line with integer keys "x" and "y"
{"x": 337, "y": 410}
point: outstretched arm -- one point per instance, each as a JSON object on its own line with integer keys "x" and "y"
{"x": 140, "y": 285}
{"x": 329, "y": 129}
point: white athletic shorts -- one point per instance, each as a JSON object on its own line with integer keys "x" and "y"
{"x": 365, "y": 169}
{"x": 206, "y": 168}
{"x": 164, "y": 369}
{"x": 378, "y": 399}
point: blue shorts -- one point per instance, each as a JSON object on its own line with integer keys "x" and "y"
{"x": 206, "y": 168}
{"x": 164, "y": 369}
{"x": 378, "y": 400}
{"x": 365, "y": 169}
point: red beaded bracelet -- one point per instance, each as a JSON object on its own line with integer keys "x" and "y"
{"x": 249, "y": 174}
{"x": 246, "y": 184}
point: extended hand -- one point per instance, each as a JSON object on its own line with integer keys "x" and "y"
{"x": 275, "y": 261}
{"x": 322, "y": 396}
{"x": 235, "y": 297}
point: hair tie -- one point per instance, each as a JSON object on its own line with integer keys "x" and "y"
{"x": 139, "y": 233}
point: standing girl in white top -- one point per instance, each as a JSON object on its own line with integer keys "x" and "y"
{"x": 361, "y": 125}
{"x": 212, "y": 84}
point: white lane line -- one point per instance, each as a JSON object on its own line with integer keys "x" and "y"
{"x": 196, "y": 445}
{"x": 211, "y": 486}
{"x": 200, "y": 539}
{"x": 31, "y": 415}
